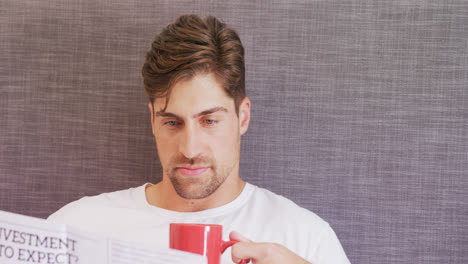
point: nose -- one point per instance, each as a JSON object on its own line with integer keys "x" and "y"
{"x": 190, "y": 142}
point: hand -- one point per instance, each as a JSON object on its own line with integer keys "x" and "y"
{"x": 262, "y": 253}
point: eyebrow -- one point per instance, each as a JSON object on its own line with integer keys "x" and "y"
{"x": 202, "y": 113}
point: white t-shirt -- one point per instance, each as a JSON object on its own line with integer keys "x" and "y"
{"x": 256, "y": 213}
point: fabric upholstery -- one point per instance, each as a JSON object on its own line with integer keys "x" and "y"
{"x": 359, "y": 111}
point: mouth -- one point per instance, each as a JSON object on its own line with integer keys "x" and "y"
{"x": 191, "y": 171}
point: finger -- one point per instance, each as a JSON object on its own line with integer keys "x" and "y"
{"x": 237, "y": 255}
{"x": 247, "y": 250}
{"x": 234, "y": 235}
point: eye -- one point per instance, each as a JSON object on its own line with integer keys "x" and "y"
{"x": 171, "y": 123}
{"x": 209, "y": 122}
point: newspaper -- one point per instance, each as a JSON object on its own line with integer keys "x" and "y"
{"x": 25, "y": 239}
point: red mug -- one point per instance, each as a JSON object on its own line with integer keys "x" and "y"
{"x": 203, "y": 239}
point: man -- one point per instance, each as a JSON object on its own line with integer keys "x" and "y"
{"x": 194, "y": 77}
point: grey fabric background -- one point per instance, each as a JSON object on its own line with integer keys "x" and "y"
{"x": 359, "y": 111}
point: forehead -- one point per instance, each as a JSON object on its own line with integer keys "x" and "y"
{"x": 199, "y": 93}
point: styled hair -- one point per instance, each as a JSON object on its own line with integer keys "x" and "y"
{"x": 194, "y": 45}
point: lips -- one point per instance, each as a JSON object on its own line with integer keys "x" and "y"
{"x": 192, "y": 171}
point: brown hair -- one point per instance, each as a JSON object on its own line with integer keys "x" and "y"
{"x": 190, "y": 46}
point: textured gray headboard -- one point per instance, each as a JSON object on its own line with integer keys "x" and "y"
{"x": 359, "y": 111}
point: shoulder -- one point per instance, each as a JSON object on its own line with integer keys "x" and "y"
{"x": 90, "y": 208}
{"x": 281, "y": 210}
{"x": 283, "y": 204}
{"x": 297, "y": 228}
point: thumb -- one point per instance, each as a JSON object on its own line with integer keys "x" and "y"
{"x": 234, "y": 235}
{"x": 240, "y": 250}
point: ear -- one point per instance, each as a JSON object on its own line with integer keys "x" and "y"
{"x": 244, "y": 115}
{"x": 151, "y": 108}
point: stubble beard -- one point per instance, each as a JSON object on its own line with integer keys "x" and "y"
{"x": 201, "y": 186}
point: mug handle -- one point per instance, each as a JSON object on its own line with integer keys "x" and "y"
{"x": 226, "y": 244}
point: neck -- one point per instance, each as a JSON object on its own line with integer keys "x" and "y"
{"x": 163, "y": 195}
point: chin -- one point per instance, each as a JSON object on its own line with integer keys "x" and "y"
{"x": 194, "y": 189}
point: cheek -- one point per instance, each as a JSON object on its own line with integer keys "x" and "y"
{"x": 224, "y": 145}
{"x": 164, "y": 150}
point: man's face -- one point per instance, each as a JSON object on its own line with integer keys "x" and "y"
{"x": 198, "y": 135}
